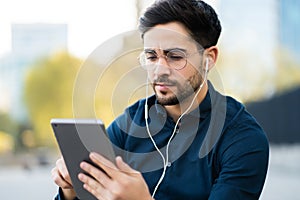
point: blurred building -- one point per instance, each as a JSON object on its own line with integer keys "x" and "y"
{"x": 261, "y": 30}
{"x": 30, "y": 42}
{"x": 250, "y": 27}
{"x": 261, "y": 26}
{"x": 289, "y": 26}
{"x": 256, "y": 36}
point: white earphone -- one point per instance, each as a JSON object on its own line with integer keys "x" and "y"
{"x": 166, "y": 159}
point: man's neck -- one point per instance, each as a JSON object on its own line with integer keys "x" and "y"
{"x": 175, "y": 111}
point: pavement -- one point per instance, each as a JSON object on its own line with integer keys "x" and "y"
{"x": 35, "y": 183}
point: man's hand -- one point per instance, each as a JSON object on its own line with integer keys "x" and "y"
{"x": 61, "y": 177}
{"x": 115, "y": 182}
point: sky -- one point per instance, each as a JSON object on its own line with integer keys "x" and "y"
{"x": 90, "y": 22}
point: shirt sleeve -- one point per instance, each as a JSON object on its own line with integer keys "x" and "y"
{"x": 243, "y": 163}
{"x": 60, "y": 196}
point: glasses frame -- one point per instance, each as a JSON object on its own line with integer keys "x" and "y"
{"x": 143, "y": 59}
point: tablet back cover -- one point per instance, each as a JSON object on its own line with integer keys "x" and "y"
{"x": 76, "y": 139}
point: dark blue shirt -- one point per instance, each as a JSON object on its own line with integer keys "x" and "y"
{"x": 218, "y": 152}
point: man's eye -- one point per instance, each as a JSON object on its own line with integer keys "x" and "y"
{"x": 176, "y": 56}
{"x": 151, "y": 57}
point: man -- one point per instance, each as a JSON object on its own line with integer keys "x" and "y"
{"x": 187, "y": 141}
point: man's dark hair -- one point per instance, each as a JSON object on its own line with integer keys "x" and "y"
{"x": 197, "y": 16}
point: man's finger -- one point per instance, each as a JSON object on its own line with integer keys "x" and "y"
{"x": 124, "y": 167}
{"x": 98, "y": 174}
{"x": 59, "y": 180}
{"x": 104, "y": 164}
{"x": 62, "y": 169}
{"x": 92, "y": 185}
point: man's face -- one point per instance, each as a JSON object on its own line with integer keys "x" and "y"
{"x": 174, "y": 76}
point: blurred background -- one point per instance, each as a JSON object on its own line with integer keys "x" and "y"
{"x": 44, "y": 44}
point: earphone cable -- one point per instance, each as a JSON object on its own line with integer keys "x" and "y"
{"x": 166, "y": 160}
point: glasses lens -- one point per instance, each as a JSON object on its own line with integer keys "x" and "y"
{"x": 146, "y": 61}
{"x": 176, "y": 59}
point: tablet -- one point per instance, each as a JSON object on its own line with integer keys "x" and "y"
{"x": 76, "y": 138}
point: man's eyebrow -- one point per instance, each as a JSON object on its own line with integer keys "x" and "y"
{"x": 149, "y": 50}
{"x": 174, "y": 49}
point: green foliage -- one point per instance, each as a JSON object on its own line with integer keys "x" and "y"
{"x": 6, "y": 143}
{"x": 8, "y": 133}
{"x": 57, "y": 87}
{"x": 105, "y": 90}
{"x": 121, "y": 84}
{"x": 7, "y": 124}
{"x": 48, "y": 93}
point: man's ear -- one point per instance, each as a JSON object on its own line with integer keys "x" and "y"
{"x": 211, "y": 56}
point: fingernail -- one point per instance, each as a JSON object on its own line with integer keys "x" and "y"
{"x": 81, "y": 177}
{"x": 93, "y": 155}
{"x": 82, "y": 165}
{"x": 119, "y": 158}
{"x": 85, "y": 186}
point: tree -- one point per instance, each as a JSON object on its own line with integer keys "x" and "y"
{"x": 60, "y": 87}
{"x": 8, "y": 130}
{"x": 48, "y": 93}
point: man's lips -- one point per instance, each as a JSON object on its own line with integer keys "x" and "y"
{"x": 163, "y": 86}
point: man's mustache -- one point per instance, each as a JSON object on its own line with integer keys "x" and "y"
{"x": 164, "y": 80}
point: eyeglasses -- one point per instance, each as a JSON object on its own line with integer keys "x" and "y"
{"x": 176, "y": 59}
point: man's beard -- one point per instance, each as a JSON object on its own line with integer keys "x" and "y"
{"x": 190, "y": 86}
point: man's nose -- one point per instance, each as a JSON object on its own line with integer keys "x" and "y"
{"x": 162, "y": 66}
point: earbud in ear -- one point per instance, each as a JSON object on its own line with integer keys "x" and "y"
{"x": 206, "y": 65}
